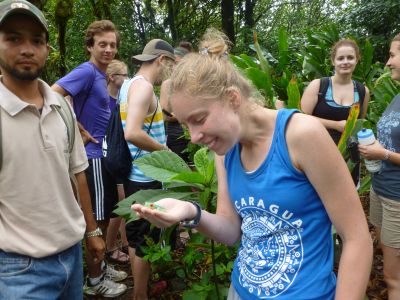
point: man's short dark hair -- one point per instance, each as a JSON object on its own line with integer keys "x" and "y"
{"x": 98, "y": 27}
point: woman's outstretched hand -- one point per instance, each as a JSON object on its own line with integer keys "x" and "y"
{"x": 166, "y": 212}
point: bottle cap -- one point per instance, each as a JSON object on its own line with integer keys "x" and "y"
{"x": 365, "y": 133}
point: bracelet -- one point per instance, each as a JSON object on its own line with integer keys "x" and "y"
{"x": 196, "y": 220}
{"x": 96, "y": 232}
{"x": 387, "y": 155}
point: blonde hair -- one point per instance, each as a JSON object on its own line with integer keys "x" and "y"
{"x": 115, "y": 67}
{"x": 209, "y": 74}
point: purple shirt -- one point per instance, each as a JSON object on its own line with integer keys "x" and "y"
{"x": 112, "y": 104}
{"x": 88, "y": 87}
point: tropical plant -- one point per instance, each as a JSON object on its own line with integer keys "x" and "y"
{"x": 277, "y": 82}
{"x": 197, "y": 184}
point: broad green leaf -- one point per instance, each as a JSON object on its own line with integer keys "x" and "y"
{"x": 283, "y": 48}
{"x": 265, "y": 68}
{"x": 189, "y": 177}
{"x": 161, "y": 165}
{"x": 249, "y": 60}
{"x": 348, "y": 129}
{"x": 293, "y": 95}
{"x": 210, "y": 172}
{"x": 260, "y": 81}
{"x": 181, "y": 186}
{"x": 239, "y": 62}
{"x": 124, "y": 207}
{"x": 201, "y": 161}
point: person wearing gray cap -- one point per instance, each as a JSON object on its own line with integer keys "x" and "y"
{"x": 143, "y": 125}
{"x": 41, "y": 223}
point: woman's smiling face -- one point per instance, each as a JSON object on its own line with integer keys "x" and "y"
{"x": 211, "y": 122}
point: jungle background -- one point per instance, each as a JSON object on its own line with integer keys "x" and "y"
{"x": 280, "y": 45}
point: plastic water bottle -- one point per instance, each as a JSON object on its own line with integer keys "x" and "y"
{"x": 366, "y": 137}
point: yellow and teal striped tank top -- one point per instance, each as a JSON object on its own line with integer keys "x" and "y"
{"x": 156, "y": 131}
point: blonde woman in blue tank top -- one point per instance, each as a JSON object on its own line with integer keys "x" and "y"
{"x": 281, "y": 185}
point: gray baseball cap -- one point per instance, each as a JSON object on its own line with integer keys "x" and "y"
{"x": 154, "y": 49}
{"x": 9, "y": 7}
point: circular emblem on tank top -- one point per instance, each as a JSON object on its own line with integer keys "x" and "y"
{"x": 270, "y": 255}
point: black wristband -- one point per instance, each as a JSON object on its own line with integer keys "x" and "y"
{"x": 196, "y": 220}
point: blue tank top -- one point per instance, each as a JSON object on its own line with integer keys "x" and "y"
{"x": 286, "y": 249}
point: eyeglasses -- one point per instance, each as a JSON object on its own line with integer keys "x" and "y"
{"x": 124, "y": 75}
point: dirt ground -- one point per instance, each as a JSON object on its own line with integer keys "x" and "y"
{"x": 376, "y": 286}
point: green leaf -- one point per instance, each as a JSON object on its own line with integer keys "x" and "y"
{"x": 201, "y": 161}
{"x": 265, "y": 67}
{"x": 249, "y": 60}
{"x": 239, "y": 62}
{"x": 124, "y": 207}
{"x": 161, "y": 165}
{"x": 283, "y": 48}
{"x": 293, "y": 95}
{"x": 190, "y": 177}
{"x": 348, "y": 129}
{"x": 365, "y": 184}
{"x": 194, "y": 295}
{"x": 260, "y": 80}
{"x": 196, "y": 238}
{"x": 181, "y": 273}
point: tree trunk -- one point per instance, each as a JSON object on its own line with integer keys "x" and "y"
{"x": 227, "y": 15}
{"x": 142, "y": 32}
{"x": 249, "y": 13}
{"x": 171, "y": 20}
{"x": 249, "y": 21}
{"x": 63, "y": 13}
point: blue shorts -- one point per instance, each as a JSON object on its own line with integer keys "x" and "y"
{"x": 58, "y": 276}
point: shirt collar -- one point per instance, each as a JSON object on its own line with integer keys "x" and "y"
{"x": 12, "y": 104}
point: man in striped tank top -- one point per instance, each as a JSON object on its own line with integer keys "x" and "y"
{"x": 143, "y": 124}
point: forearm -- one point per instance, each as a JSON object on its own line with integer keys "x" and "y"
{"x": 394, "y": 157}
{"x": 354, "y": 269}
{"x": 220, "y": 228}
{"x": 143, "y": 141}
{"x": 85, "y": 200}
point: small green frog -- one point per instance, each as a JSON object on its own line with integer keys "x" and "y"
{"x": 152, "y": 205}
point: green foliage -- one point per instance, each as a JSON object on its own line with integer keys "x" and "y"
{"x": 316, "y": 53}
{"x": 383, "y": 92}
{"x": 181, "y": 182}
{"x": 293, "y": 95}
{"x": 348, "y": 129}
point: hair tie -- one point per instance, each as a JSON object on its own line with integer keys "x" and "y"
{"x": 203, "y": 51}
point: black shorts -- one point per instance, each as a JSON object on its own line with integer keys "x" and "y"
{"x": 102, "y": 188}
{"x": 137, "y": 230}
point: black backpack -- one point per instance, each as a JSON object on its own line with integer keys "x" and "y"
{"x": 117, "y": 157}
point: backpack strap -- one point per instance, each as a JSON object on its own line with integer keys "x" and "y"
{"x": 66, "y": 114}
{"x": 361, "y": 92}
{"x": 323, "y": 87}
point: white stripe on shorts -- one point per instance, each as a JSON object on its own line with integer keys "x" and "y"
{"x": 99, "y": 188}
